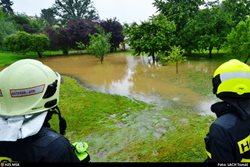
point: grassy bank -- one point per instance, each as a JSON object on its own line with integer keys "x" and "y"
{"x": 121, "y": 129}
{"x": 7, "y": 58}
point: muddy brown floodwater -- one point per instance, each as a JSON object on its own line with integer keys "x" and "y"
{"x": 132, "y": 77}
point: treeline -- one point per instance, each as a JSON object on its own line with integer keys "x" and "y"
{"x": 193, "y": 25}
{"x": 66, "y": 25}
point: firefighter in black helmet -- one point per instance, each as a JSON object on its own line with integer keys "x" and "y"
{"x": 228, "y": 139}
{"x": 29, "y": 95}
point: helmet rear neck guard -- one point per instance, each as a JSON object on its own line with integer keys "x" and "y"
{"x": 232, "y": 79}
{"x": 27, "y": 87}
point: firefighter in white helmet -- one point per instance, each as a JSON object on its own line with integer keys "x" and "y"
{"x": 29, "y": 95}
{"x": 229, "y": 135}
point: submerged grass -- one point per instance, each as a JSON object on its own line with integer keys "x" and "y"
{"x": 119, "y": 129}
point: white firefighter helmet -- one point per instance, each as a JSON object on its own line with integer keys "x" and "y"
{"x": 28, "y": 87}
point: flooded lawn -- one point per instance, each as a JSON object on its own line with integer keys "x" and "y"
{"x": 133, "y": 77}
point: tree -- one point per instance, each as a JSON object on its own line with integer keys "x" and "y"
{"x": 180, "y": 12}
{"x": 151, "y": 37}
{"x": 79, "y": 31}
{"x": 19, "y": 42}
{"x": 175, "y": 56}
{"x": 49, "y": 16}
{"x": 115, "y": 28}
{"x": 75, "y": 9}
{"x": 99, "y": 44}
{"x": 7, "y": 27}
{"x": 5, "y": 5}
{"x": 74, "y": 32}
{"x": 208, "y": 29}
{"x": 58, "y": 38}
{"x": 24, "y": 42}
{"x": 239, "y": 9}
{"x": 28, "y": 24}
{"x": 39, "y": 42}
{"x": 239, "y": 39}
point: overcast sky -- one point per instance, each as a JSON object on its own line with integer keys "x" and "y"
{"x": 126, "y": 11}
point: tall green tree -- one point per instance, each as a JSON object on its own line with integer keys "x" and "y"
{"x": 208, "y": 29}
{"x": 180, "y": 12}
{"x": 100, "y": 44}
{"x": 239, "y": 9}
{"x": 151, "y": 37}
{"x": 7, "y": 27}
{"x": 5, "y": 5}
{"x": 239, "y": 39}
{"x": 75, "y": 9}
{"x": 49, "y": 16}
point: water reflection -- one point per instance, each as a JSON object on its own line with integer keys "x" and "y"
{"x": 132, "y": 77}
{"x": 123, "y": 86}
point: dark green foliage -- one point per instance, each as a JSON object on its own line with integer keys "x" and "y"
{"x": 75, "y": 9}
{"x": 5, "y": 5}
{"x": 207, "y": 30}
{"x": 151, "y": 37}
{"x": 180, "y": 12}
{"x": 19, "y": 42}
{"x": 39, "y": 42}
{"x": 239, "y": 39}
{"x": 49, "y": 16}
{"x": 238, "y": 9}
{"x": 7, "y": 27}
{"x": 24, "y": 42}
{"x": 28, "y": 24}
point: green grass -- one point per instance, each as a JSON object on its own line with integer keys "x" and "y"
{"x": 125, "y": 130}
{"x": 7, "y": 58}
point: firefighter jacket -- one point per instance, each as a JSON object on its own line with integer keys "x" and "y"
{"x": 228, "y": 139}
{"x": 45, "y": 146}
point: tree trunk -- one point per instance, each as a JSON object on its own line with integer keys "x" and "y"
{"x": 247, "y": 58}
{"x": 189, "y": 51}
{"x": 153, "y": 57}
{"x": 210, "y": 52}
{"x": 102, "y": 57}
{"x": 39, "y": 54}
{"x": 177, "y": 67}
{"x": 65, "y": 51}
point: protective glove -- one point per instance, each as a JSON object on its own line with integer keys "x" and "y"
{"x": 80, "y": 149}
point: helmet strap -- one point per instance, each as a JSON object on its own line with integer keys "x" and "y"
{"x": 62, "y": 121}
